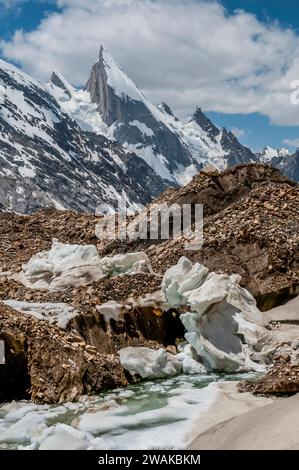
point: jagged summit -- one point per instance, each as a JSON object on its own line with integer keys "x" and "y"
{"x": 137, "y": 124}
{"x": 48, "y": 159}
{"x": 58, "y": 80}
{"x": 205, "y": 123}
{"x": 167, "y": 110}
{"x": 112, "y": 104}
{"x": 108, "y": 85}
{"x": 101, "y": 52}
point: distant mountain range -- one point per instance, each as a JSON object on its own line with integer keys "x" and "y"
{"x": 286, "y": 162}
{"x": 77, "y": 148}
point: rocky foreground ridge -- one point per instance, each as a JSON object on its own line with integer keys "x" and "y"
{"x": 110, "y": 301}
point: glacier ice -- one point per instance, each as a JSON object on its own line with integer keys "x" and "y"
{"x": 149, "y": 363}
{"x": 223, "y": 322}
{"x": 67, "y": 265}
{"x": 129, "y": 263}
{"x": 189, "y": 359}
{"x": 64, "y": 437}
{"x": 62, "y": 266}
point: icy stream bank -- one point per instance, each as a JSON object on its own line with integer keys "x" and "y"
{"x": 152, "y": 415}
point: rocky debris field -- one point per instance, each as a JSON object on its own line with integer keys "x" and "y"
{"x": 251, "y": 228}
{"x": 256, "y": 237}
{"x": 24, "y": 235}
{"x": 84, "y": 297}
{"x": 282, "y": 379}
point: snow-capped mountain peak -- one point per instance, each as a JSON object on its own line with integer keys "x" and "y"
{"x": 134, "y": 122}
{"x": 107, "y": 84}
{"x": 269, "y": 153}
{"x": 111, "y": 104}
{"x": 47, "y": 159}
{"x": 58, "y": 81}
{"x": 205, "y": 124}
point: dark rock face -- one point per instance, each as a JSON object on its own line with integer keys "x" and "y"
{"x": 57, "y": 81}
{"x": 236, "y": 153}
{"x": 206, "y": 124}
{"x": 290, "y": 166}
{"x": 14, "y": 375}
{"x": 167, "y": 110}
{"x": 50, "y": 365}
{"x": 143, "y": 326}
{"x": 110, "y": 106}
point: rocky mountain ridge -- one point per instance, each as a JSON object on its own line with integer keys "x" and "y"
{"x": 46, "y": 159}
{"x": 79, "y": 148}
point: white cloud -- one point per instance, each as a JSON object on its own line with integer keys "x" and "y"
{"x": 238, "y": 132}
{"x": 185, "y": 52}
{"x": 11, "y": 3}
{"x": 291, "y": 142}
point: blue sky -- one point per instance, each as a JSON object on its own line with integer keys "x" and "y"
{"x": 25, "y": 15}
{"x": 255, "y": 128}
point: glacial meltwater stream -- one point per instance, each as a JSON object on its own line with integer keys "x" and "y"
{"x": 156, "y": 414}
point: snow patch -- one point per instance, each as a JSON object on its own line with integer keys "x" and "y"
{"x": 142, "y": 127}
{"x": 57, "y": 313}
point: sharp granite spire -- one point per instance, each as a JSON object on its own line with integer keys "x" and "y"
{"x": 137, "y": 123}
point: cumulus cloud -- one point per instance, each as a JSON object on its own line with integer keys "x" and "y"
{"x": 185, "y": 52}
{"x": 291, "y": 142}
{"x": 238, "y": 132}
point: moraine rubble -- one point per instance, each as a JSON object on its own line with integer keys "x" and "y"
{"x": 101, "y": 298}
